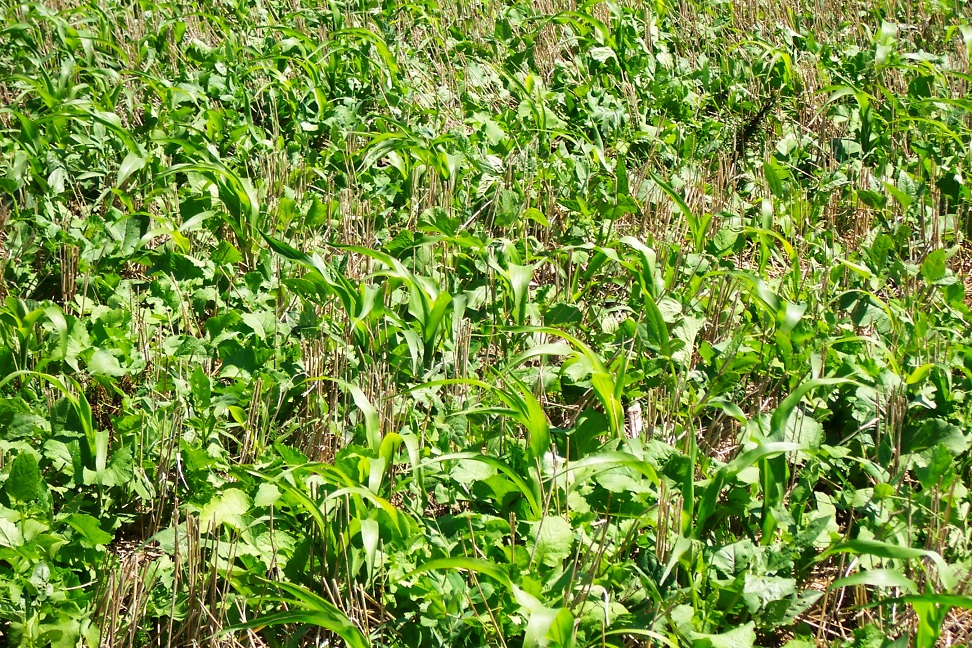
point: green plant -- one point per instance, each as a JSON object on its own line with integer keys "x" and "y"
{"x": 484, "y": 323}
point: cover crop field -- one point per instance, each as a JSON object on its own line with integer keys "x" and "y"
{"x": 552, "y": 324}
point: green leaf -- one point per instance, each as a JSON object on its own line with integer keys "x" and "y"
{"x": 437, "y": 220}
{"x": 931, "y": 618}
{"x": 919, "y": 373}
{"x": 255, "y": 322}
{"x": 765, "y": 450}
{"x": 655, "y": 324}
{"x": 89, "y": 528}
{"x": 546, "y": 626}
{"x": 56, "y": 316}
{"x": 773, "y": 470}
{"x": 893, "y": 552}
{"x": 760, "y": 591}
{"x": 290, "y": 252}
{"x": 536, "y": 216}
{"x": 120, "y": 469}
{"x": 103, "y": 363}
{"x": 24, "y": 482}
{"x": 735, "y": 558}
{"x": 376, "y": 41}
{"x": 64, "y": 633}
{"x": 371, "y": 419}
{"x": 10, "y": 535}
{"x": 535, "y": 421}
{"x": 228, "y": 507}
{"x": 774, "y": 177}
{"x": 129, "y": 165}
{"x": 604, "y": 385}
{"x": 697, "y": 226}
{"x": 466, "y": 471}
{"x": 201, "y": 388}
{"x": 507, "y": 207}
{"x": 966, "y": 31}
{"x": 931, "y": 610}
{"x": 931, "y": 433}
{"x": 741, "y": 637}
{"x": 602, "y": 54}
{"x": 267, "y": 495}
{"x": 369, "y": 539}
{"x": 782, "y": 414}
{"x": 586, "y": 436}
{"x": 877, "y": 578}
{"x": 940, "y": 466}
{"x": 290, "y": 456}
{"x": 226, "y": 254}
{"x": 553, "y": 538}
{"x": 607, "y": 460}
{"x": 474, "y": 565}
{"x": 329, "y": 618}
{"x": 876, "y": 548}
{"x": 933, "y": 268}
{"x": 432, "y": 324}
{"x": 519, "y": 277}
{"x": 686, "y": 332}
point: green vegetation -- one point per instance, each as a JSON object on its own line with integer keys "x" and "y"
{"x": 485, "y": 324}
